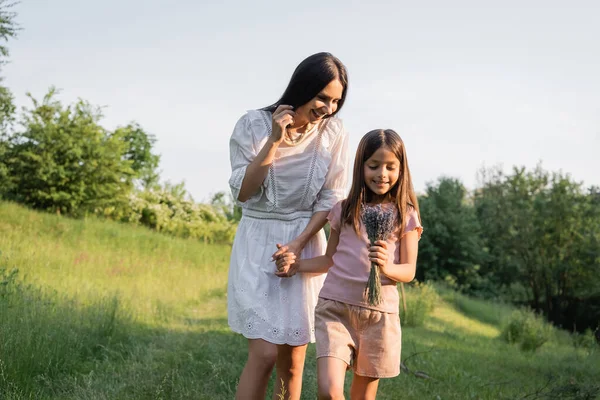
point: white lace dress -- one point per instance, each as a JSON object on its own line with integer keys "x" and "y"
{"x": 303, "y": 179}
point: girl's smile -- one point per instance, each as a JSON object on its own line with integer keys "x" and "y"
{"x": 381, "y": 172}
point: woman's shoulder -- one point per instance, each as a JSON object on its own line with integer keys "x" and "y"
{"x": 334, "y": 126}
{"x": 252, "y": 116}
{"x": 333, "y": 132}
{"x": 254, "y": 121}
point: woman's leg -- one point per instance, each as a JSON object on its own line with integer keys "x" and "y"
{"x": 331, "y": 373}
{"x": 364, "y": 388}
{"x": 257, "y": 371}
{"x": 289, "y": 367}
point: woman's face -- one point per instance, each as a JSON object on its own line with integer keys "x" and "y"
{"x": 323, "y": 104}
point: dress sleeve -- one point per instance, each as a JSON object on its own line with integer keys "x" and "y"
{"x": 242, "y": 151}
{"x": 334, "y": 187}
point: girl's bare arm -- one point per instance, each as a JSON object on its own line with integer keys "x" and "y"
{"x": 405, "y": 270}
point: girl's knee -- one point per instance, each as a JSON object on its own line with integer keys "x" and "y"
{"x": 331, "y": 391}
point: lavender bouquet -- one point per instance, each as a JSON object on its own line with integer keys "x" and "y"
{"x": 379, "y": 223}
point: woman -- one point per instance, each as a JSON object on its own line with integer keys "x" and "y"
{"x": 288, "y": 165}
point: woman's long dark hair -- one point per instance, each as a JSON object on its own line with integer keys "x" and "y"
{"x": 310, "y": 77}
{"x": 402, "y": 194}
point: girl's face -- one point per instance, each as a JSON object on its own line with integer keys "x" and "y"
{"x": 323, "y": 104}
{"x": 381, "y": 172}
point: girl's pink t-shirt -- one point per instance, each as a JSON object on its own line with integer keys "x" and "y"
{"x": 347, "y": 278}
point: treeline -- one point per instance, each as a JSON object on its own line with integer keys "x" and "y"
{"x": 531, "y": 237}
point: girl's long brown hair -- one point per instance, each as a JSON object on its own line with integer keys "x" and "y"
{"x": 402, "y": 193}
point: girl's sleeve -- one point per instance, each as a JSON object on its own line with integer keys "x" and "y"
{"x": 413, "y": 223}
{"x": 242, "y": 151}
{"x": 334, "y": 188}
{"x": 335, "y": 216}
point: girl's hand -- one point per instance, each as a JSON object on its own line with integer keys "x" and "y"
{"x": 285, "y": 253}
{"x": 283, "y": 116}
{"x": 295, "y": 247}
{"x": 286, "y": 265}
{"x": 378, "y": 254}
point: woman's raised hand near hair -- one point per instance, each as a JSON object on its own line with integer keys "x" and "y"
{"x": 283, "y": 117}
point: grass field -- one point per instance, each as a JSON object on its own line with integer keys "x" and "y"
{"x": 100, "y": 310}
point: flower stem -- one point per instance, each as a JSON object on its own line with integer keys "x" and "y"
{"x": 373, "y": 288}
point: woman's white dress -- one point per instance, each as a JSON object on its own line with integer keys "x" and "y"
{"x": 303, "y": 179}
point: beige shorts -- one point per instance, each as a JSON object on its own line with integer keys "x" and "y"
{"x": 369, "y": 341}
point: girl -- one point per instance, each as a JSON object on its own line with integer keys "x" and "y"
{"x": 349, "y": 331}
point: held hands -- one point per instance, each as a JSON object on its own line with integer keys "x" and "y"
{"x": 283, "y": 117}
{"x": 378, "y": 254}
{"x": 285, "y": 259}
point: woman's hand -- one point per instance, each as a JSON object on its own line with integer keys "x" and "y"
{"x": 283, "y": 116}
{"x": 378, "y": 254}
{"x": 287, "y": 255}
{"x": 286, "y": 265}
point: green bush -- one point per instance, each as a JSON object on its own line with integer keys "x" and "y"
{"x": 166, "y": 210}
{"x": 421, "y": 299}
{"x": 585, "y": 340}
{"x": 526, "y": 328}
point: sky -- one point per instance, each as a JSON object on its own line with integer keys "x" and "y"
{"x": 467, "y": 84}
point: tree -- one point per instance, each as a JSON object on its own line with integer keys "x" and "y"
{"x": 8, "y": 30}
{"x": 7, "y": 109}
{"x": 139, "y": 151}
{"x": 64, "y": 161}
{"x": 452, "y": 248}
{"x": 543, "y": 235}
{"x": 8, "y": 26}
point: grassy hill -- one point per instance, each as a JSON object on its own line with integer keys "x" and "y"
{"x": 100, "y": 310}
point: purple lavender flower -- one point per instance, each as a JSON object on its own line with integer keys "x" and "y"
{"x": 379, "y": 223}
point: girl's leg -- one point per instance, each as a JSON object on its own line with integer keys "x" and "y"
{"x": 364, "y": 388}
{"x": 289, "y": 367}
{"x": 257, "y": 371}
{"x": 331, "y": 372}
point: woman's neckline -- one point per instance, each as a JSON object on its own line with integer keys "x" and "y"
{"x": 315, "y": 128}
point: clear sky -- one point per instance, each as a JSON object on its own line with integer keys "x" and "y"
{"x": 466, "y": 83}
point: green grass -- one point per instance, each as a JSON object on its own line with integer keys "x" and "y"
{"x": 100, "y": 310}
{"x": 491, "y": 312}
